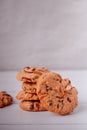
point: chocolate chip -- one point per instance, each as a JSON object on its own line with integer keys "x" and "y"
{"x": 58, "y": 80}
{"x": 57, "y": 97}
{"x": 27, "y": 67}
{"x": 7, "y": 94}
{"x": 57, "y": 105}
{"x": 50, "y": 102}
{"x": 69, "y": 81}
{"x": 62, "y": 101}
{"x": 68, "y": 99}
{"x": 48, "y": 88}
{"x": 33, "y": 69}
{"x": 31, "y": 107}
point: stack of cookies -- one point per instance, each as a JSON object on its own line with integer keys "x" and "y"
{"x": 46, "y": 90}
{"x": 28, "y": 95}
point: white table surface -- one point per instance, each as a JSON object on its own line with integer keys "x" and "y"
{"x": 12, "y": 117}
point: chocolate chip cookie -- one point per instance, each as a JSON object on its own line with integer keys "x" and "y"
{"x": 23, "y": 95}
{"x": 29, "y": 87}
{"x": 30, "y": 74}
{"x": 33, "y": 106}
{"x": 5, "y": 99}
{"x": 57, "y": 95}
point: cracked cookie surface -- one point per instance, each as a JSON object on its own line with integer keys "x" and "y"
{"x": 57, "y": 95}
{"x": 30, "y": 74}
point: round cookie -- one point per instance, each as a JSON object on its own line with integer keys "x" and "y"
{"x": 33, "y": 106}
{"x": 55, "y": 96}
{"x": 23, "y": 95}
{"x": 5, "y": 99}
{"x": 30, "y": 74}
{"x": 29, "y": 87}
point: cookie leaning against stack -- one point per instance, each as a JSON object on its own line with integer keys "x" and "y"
{"x": 28, "y": 96}
{"x": 56, "y": 95}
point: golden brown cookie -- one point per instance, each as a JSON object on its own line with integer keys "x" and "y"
{"x": 33, "y": 106}
{"x": 57, "y": 96}
{"x": 23, "y": 95}
{"x": 30, "y": 74}
{"x": 5, "y": 99}
{"x": 29, "y": 87}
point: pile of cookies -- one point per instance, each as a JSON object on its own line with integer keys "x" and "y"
{"x": 45, "y": 90}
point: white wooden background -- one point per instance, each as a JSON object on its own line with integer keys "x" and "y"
{"x": 13, "y": 118}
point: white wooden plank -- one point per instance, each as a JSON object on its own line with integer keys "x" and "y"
{"x": 14, "y": 115}
{"x": 44, "y": 127}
